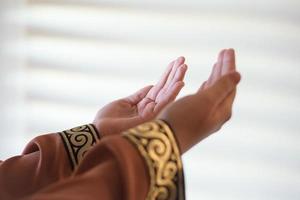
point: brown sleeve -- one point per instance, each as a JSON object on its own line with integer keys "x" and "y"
{"x": 142, "y": 163}
{"x": 44, "y": 162}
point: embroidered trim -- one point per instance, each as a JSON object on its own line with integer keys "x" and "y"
{"x": 156, "y": 143}
{"x": 78, "y": 141}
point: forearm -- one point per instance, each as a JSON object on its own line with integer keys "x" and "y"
{"x": 142, "y": 163}
{"x": 45, "y": 160}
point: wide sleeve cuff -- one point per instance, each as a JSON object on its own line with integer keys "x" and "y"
{"x": 78, "y": 141}
{"x": 157, "y": 145}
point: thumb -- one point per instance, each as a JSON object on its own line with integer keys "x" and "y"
{"x": 124, "y": 124}
{"x": 139, "y": 95}
{"x": 224, "y": 86}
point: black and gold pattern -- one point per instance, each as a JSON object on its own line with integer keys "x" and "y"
{"x": 77, "y": 142}
{"x": 157, "y": 144}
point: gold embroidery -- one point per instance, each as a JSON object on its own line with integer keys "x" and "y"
{"x": 77, "y": 142}
{"x": 157, "y": 144}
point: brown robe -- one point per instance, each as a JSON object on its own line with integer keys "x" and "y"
{"x": 141, "y": 163}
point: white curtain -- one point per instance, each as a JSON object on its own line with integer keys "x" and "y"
{"x": 64, "y": 59}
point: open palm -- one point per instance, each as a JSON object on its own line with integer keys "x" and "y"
{"x": 143, "y": 105}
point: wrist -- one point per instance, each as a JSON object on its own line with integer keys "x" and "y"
{"x": 180, "y": 135}
{"x": 97, "y": 124}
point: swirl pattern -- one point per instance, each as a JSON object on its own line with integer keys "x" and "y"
{"x": 157, "y": 145}
{"x": 78, "y": 141}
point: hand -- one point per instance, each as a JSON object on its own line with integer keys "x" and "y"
{"x": 195, "y": 117}
{"x": 145, "y": 104}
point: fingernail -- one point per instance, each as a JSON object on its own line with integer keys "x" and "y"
{"x": 180, "y": 59}
{"x": 230, "y": 51}
{"x": 183, "y": 67}
{"x": 229, "y": 54}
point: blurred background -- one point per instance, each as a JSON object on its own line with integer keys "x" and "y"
{"x": 62, "y": 60}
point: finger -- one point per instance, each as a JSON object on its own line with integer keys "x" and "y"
{"x": 177, "y": 63}
{"x": 210, "y": 79}
{"x": 139, "y": 95}
{"x": 228, "y": 62}
{"x": 142, "y": 104}
{"x": 225, "y": 107}
{"x": 162, "y": 80}
{"x": 128, "y": 123}
{"x": 179, "y": 75}
{"x": 228, "y": 103}
{"x": 202, "y": 86}
{"x": 169, "y": 97}
{"x": 221, "y": 89}
{"x": 148, "y": 112}
{"x": 218, "y": 72}
{"x": 217, "y": 69}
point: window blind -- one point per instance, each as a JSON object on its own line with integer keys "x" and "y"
{"x": 79, "y": 55}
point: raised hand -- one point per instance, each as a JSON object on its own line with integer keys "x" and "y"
{"x": 143, "y": 105}
{"x": 197, "y": 116}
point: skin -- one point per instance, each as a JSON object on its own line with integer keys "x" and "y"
{"x": 143, "y": 105}
{"x": 197, "y": 116}
{"x": 192, "y": 118}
